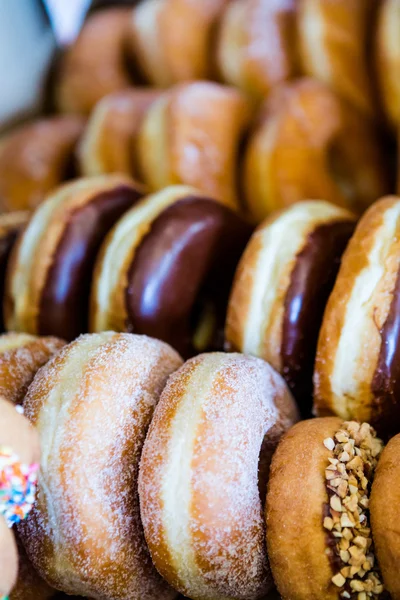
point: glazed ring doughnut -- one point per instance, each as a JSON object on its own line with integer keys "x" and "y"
{"x": 109, "y": 142}
{"x": 84, "y": 534}
{"x": 21, "y": 356}
{"x": 191, "y": 135}
{"x": 203, "y": 475}
{"x": 11, "y": 224}
{"x": 318, "y": 532}
{"x": 388, "y": 58}
{"x": 311, "y": 145}
{"x": 49, "y": 272}
{"x": 357, "y": 365}
{"x": 256, "y": 49}
{"x": 170, "y": 41}
{"x": 35, "y": 158}
{"x": 144, "y": 280}
{"x": 95, "y": 64}
{"x": 281, "y": 288}
{"x": 334, "y": 39}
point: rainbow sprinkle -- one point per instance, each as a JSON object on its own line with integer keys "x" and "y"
{"x": 17, "y": 486}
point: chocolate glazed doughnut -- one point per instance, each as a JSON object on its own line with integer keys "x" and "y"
{"x": 50, "y": 269}
{"x": 281, "y": 288}
{"x": 159, "y": 292}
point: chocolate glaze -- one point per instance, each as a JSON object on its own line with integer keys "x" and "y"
{"x": 311, "y": 283}
{"x": 385, "y": 384}
{"x": 189, "y": 256}
{"x": 7, "y": 241}
{"x": 64, "y": 304}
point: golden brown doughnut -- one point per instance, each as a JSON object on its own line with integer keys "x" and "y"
{"x": 95, "y": 64}
{"x": 191, "y": 135}
{"x": 203, "y": 472}
{"x": 309, "y": 144}
{"x": 109, "y": 142}
{"x": 29, "y": 585}
{"x": 21, "y": 356}
{"x": 84, "y": 534}
{"x": 334, "y": 41}
{"x": 49, "y": 272}
{"x": 35, "y": 158}
{"x": 356, "y": 370}
{"x": 388, "y": 58}
{"x": 281, "y": 287}
{"x": 145, "y": 281}
{"x": 257, "y": 45}
{"x": 317, "y": 522}
{"x": 384, "y": 508}
{"x": 171, "y": 40}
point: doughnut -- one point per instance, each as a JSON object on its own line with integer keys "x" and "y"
{"x": 308, "y": 144}
{"x": 191, "y": 135}
{"x": 21, "y": 356}
{"x": 29, "y": 586}
{"x": 384, "y": 505}
{"x": 49, "y": 272}
{"x": 10, "y": 226}
{"x": 144, "y": 280}
{"x": 171, "y": 40}
{"x": 95, "y": 64}
{"x": 84, "y": 534}
{"x": 334, "y": 39}
{"x": 317, "y": 520}
{"x": 108, "y": 144}
{"x": 214, "y": 430}
{"x": 281, "y": 287}
{"x": 356, "y": 369}
{"x": 388, "y": 58}
{"x": 35, "y": 158}
{"x": 256, "y": 49}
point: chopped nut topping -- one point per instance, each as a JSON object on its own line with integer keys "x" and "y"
{"x": 348, "y": 477}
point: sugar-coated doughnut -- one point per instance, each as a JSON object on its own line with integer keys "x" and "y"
{"x": 191, "y": 135}
{"x": 36, "y": 157}
{"x": 171, "y": 41}
{"x": 319, "y": 537}
{"x": 109, "y": 142}
{"x": 384, "y": 509}
{"x": 357, "y": 365}
{"x": 256, "y": 47}
{"x": 95, "y": 64}
{"x": 388, "y": 58}
{"x": 203, "y": 472}
{"x": 308, "y": 144}
{"x": 21, "y": 356}
{"x": 334, "y": 41}
{"x": 91, "y": 405}
{"x": 50, "y": 269}
{"x": 145, "y": 281}
{"x": 29, "y": 585}
{"x": 281, "y": 288}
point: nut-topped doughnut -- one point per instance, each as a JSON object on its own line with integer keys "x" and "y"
{"x": 92, "y": 405}
{"x": 35, "y": 158}
{"x": 166, "y": 269}
{"x": 319, "y": 537}
{"x": 334, "y": 40}
{"x": 191, "y": 135}
{"x": 281, "y": 286}
{"x": 109, "y": 142}
{"x": 203, "y": 473}
{"x": 357, "y": 364}
{"x": 49, "y": 273}
{"x": 21, "y": 356}
{"x": 388, "y": 58}
{"x": 256, "y": 47}
{"x": 308, "y": 144}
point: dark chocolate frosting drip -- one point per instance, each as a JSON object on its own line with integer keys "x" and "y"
{"x": 186, "y": 261}
{"x": 312, "y": 280}
{"x": 6, "y": 243}
{"x": 64, "y": 303}
{"x": 386, "y": 380}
